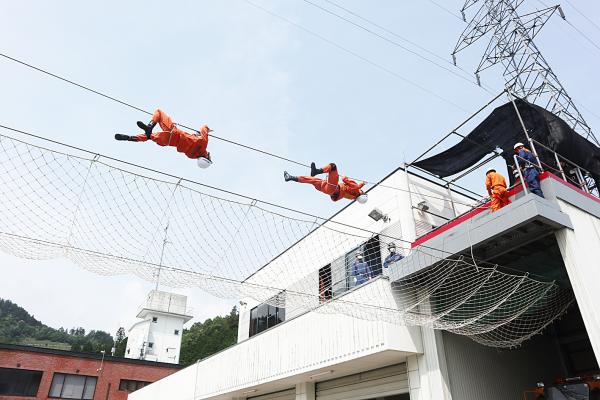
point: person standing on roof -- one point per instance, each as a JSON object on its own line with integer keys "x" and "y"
{"x": 528, "y": 165}
{"x": 361, "y": 270}
{"x": 496, "y": 188}
{"x": 393, "y": 256}
{"x": 192, "y": 145}
{"x": 347, "y": 189}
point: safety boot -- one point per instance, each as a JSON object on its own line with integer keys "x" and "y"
{"x": 289, "y": 177}
{"x": 119, "y": 136}
{"x": 314, "y": 170}
{"x": 147, "y": 128}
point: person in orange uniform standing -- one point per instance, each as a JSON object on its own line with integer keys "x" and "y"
{"x": 347, "y": 189}
{"x": 496, "y": 187}
{"x": 192, "y": 145}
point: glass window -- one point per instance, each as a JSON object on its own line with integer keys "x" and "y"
{"x": 19, "y": 382}
{"x": 129, "y": 385}
{"x": 262, "y": 313}
{"x": 68, "y": 386}
{"x": 266, "y": 315}
{"x": 150, "y": 345}
{"x": 271, "y": 316}
{"x": 176, "y": 331}
{"x": 253, "y": 321}
{"x": 154, "y": 319}
{"x": 280, "y": 314}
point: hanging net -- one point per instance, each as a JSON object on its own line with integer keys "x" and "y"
{"x": 112, "y": 218}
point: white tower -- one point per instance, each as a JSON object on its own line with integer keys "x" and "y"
{"x": 158, "y": 336}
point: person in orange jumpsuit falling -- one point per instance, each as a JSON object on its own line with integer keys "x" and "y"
{"x": 347, "y": 189}
{"x": 193, "y": 146}
{"x": 496, "y": 187}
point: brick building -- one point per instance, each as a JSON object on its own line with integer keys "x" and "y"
{"x": 31, "y": 372}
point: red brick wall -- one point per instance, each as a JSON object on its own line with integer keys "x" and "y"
{"x": 107, "y": 386}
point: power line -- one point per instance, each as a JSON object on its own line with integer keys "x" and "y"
{"x": 582, "y": 14}
{"x": 387, "y": 39}
{"x": 181, "y": 179}
{"x": 438, "y": 5}
{"x": 357, "y": 55}
{"x": 180, "y": 125}
{"x": 145, "y": 111}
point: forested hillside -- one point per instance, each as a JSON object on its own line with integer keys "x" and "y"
{"x": 17, "y": 326}
{"x": 201, "y": 340}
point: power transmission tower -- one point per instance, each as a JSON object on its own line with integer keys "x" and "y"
{"x": 527, "y": 74}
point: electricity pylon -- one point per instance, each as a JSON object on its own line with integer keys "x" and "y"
{"x": 527, "y": 74}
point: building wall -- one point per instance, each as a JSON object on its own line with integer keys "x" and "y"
{"x": 136, "y": 337}
{"x": 297, "y": 268}
{"x": 478, "y": 372}
{"x": 107, "y": 386}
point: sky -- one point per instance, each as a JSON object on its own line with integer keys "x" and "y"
{"x": 283, "y": 76}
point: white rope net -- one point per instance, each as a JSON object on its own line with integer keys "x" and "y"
{"x": 114, "y": 218}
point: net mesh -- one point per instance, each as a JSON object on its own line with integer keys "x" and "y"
{"x": 113, "y": 218}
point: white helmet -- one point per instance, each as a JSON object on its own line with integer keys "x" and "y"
{"x": 362, "y": 199}
{"x": 518, "y": 145}
{"x": 204, "y": 162}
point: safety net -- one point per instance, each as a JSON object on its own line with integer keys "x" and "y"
{"x": 111, "y": 218}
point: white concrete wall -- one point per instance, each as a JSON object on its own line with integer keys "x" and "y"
{"x": 136, "y": 337}
{"x": 580, "y": 250}
{"x": 167, "y": 344}
{"x": 297, "y": 268}
{"x": 313, "y": 341}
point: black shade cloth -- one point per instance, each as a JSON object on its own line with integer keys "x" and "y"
{"x": 502, "y": 129}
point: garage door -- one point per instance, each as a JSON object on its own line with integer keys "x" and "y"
{"x": 289, "y": 394}
{"x": 366, "y": 385}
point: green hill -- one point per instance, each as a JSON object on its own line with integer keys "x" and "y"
{"x": 201, "y": 340}
{"x": 17, "y": 326}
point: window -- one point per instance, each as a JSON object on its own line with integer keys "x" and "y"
{"x": 325, "y": 284}
{"x": 68, "y": 386}
{"x": 176, "y": 331}
{"x": 128, "y": 351}
{"x": 265, "y": 316}
{"x": 371, "y": 253}
{"x": 19, "y": 382}
{"x": 150, "y": 345}
{"x": 154, "y": 319}
{"x": 130, "y": 385}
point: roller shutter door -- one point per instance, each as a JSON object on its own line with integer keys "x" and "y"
{"x": 289, "y": 394}
{"x": 366, "y": 385}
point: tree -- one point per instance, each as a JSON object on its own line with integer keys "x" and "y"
{"x": 120, "y": 342}
{"x": 206, "y": 338}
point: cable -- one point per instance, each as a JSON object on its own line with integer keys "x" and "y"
{"x": 145, "y": 111}
{"x": 353, "y": 53}
{"x": 445, "y": 9}
{"x": 264, "y": 152}
{"x": 195, "y": 182}
{"x": 387, "y": 39}
{"x": 582, "y": 14}
{"x": 96, "y": 156}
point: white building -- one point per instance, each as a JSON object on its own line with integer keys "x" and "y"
{"x": 323, "y": 354}
{"x": 157, "y": 337}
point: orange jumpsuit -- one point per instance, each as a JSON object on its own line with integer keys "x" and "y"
{"x": 348, "y": 189}
{"x": 496, "y": 187}
{"x": 193, "y": 146}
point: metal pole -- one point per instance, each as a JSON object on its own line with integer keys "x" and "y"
{"x": 451, "y": 200}
{"x": 582, "y": 182}
{"x": 162, "y": 252}
{"x": 520, "y": 175}
{"x": 562, "y": 172}
{"x": 512, "y": 100}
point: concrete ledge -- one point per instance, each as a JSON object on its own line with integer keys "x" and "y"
{"x": 479, "y": 229}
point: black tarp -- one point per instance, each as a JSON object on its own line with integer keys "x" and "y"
{"x": 502, "y": 129}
